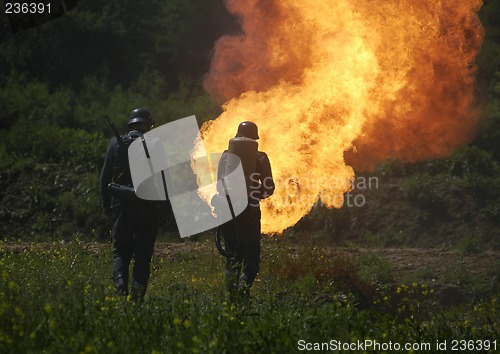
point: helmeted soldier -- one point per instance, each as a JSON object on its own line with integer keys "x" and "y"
{"x": 135, "y": 221}
{"x": 242, "y": 234}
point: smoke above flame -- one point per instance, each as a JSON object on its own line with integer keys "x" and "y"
{"x": 338, "y": 86}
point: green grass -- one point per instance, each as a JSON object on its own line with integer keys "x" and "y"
{"x": 59, "y": 298}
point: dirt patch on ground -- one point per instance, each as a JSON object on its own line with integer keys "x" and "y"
{"x": 443, "y": 269}
{"x": 409, "y": 261}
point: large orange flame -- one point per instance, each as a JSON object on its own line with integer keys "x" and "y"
{"x": 378, "y": 79}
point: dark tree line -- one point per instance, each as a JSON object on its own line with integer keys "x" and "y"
{"x": 118, "y": 40}
{"x": 102, "y": 52}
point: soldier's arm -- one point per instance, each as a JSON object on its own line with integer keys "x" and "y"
{"x": 218, "y": 198}
{"x": 220, "y": 173}
{"x": 267, "y": 185}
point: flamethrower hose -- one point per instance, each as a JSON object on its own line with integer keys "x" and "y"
{"x": 221, "y": 249}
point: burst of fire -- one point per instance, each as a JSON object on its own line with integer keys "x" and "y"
{"x": 375, "y": 79}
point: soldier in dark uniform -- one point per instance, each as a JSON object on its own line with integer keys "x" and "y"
{"x": 135, "y": 221}
{"x": 242, "y": 234}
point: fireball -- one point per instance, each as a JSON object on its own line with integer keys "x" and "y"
{"x": 338, "y": 86}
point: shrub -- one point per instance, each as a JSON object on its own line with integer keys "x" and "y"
{"x": 419, "y": 190}
{"x": 470, "y": 244}
{"x": 375, "y": 269}
{"x": 47, "y": 143}
{"x": 470, "y": 161}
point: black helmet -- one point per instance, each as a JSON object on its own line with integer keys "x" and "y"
{"x": 248, "y": 130}
{"x": 140, "y": 115}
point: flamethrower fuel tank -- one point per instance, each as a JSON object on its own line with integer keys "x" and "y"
{"x": 246, "y": 151}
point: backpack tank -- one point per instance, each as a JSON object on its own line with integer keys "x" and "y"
{"x": 246, "y": 150}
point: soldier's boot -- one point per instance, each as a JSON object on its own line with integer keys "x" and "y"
{"x": 244, "y": 289}
{"x": 121, "y": 285}
{"x": 138, "y": 291}
{"x": 231, "y": 280}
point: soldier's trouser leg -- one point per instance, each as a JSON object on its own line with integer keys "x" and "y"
{"x": 232, "y": 274}
{"x": 250, "y": 253}
{"x": 122, "y": 248}
{"x": 144, "y": 241}
{"x": 242, "y": 239}
{"x": 234, "y": 261}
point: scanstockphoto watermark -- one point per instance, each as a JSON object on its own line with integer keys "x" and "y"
{"x": 331, "y": 191}
{"x": 369, "y": 345}
{"x": 362, "y": 346}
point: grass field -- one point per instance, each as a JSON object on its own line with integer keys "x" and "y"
{"x": 59, "y": 298}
